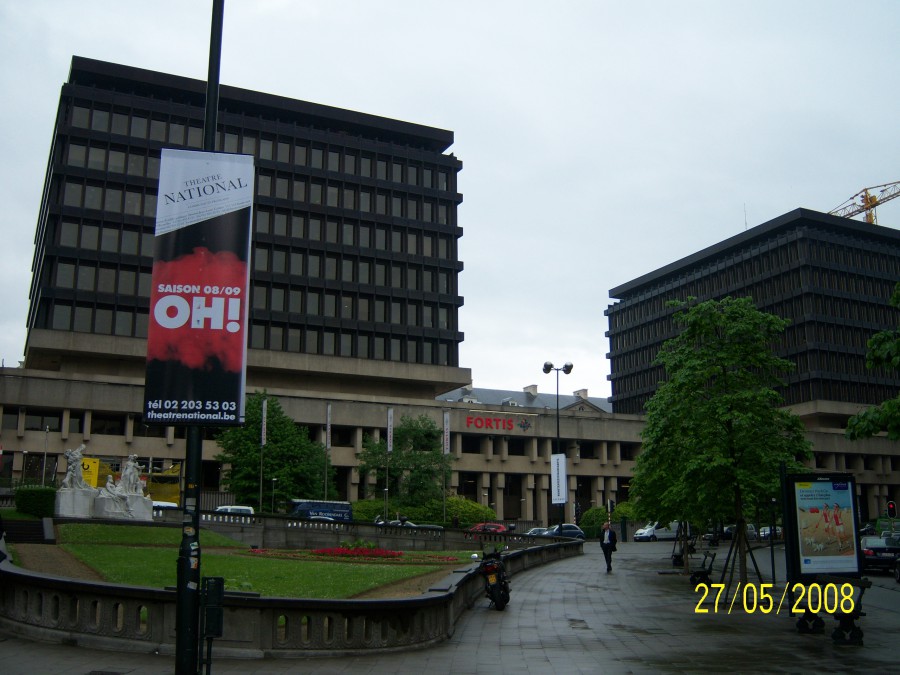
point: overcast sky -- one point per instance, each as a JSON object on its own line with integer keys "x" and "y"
{"x": 600, "y": 140}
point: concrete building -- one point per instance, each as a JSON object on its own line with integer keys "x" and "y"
{"x": 833, "y": 278}
{"x": 354, "y": 294}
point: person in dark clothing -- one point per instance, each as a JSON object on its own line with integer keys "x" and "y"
{"x": 608, "y": 544}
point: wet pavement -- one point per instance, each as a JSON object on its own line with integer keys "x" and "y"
{"x": 572, "y": 617}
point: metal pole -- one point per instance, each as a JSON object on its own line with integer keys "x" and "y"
{"x": 44, "y": 466}
{"x": 187, "y": 611}
{"x": 187, "y": 616}
{"x": 562, "y": 506}
{"x": 772, "y": 540}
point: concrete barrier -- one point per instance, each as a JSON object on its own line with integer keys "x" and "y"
{"x": 140, "y": 619}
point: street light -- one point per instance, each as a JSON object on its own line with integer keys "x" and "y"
{"x": 567, "y": 368}
{"x": 273, "y": 494}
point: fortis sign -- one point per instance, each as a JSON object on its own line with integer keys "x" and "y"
{"x": 494, "y": 423}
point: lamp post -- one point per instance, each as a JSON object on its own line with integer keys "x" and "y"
{"x": 567, "y": 368}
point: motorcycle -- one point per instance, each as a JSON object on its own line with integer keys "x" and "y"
{"x": 496, "y": 580}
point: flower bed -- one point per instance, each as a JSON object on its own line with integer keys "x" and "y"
{"x": 359, "y": 554}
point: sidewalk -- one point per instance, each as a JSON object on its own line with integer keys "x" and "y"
{"x": 572, "y": 617}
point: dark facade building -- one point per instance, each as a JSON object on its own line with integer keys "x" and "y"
{"x": 355, "y": 240}
{"x": 354, "y": 305}
{"x": 832, "y": 277}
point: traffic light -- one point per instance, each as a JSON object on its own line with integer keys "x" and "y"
{"x": 892, "y": 509}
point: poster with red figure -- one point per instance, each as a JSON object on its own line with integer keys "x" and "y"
{"x": 197, "y": 328}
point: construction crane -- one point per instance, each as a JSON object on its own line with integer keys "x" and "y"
{"x": 865, "y": 202}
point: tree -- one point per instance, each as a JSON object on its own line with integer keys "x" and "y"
{"x": 417, "y": 469}
{"x": 715, "y": 437}
{"x": 883, "y": 352}
{"x": 297, "y": 463}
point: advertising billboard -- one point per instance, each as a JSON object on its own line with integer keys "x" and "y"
{"x": 197, "y": 328}
{"x": 823, "y": 508}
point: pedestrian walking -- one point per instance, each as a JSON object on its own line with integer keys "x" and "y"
{"x": 608, "y": 544}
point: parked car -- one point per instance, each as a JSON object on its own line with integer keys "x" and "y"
{"x": 728, "y": 533}
{"x": 164, "y": 505}
{"x": 764, "y": 532}
{"x": 536, "y": 531}
{"x": 564, "y": 530}
{"x": 880, "y": 553}
{"x": 866, "y": 530}
{"x": 655, "y": 531}
{"x": 404, "y": 522}
{"x": 495, "y": 528}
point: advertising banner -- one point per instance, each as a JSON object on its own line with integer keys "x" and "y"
{"x": 390, "y": 430}
{"x": 197, "y": 329}
{"x": 825, "y": 512}
{"x": 558, "y": 479}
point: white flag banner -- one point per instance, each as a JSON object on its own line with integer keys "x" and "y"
{"x": 446, "y": 432}
{"x": 390, "y": 430}
{"x": 328, "y": 427}
{"x": 558, "y": 479}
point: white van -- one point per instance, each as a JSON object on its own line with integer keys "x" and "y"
{"x": 655, "y": 531}
{"x": 243, "y": 510}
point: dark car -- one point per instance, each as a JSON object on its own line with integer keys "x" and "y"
{"x": 564, "y": 530}
{"x": 879, "y": 553}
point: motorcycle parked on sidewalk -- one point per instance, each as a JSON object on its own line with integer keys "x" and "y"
{"x": 496, "y": 580}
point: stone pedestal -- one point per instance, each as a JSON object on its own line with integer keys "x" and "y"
{"x": 123, "y": 507}
{"x": 75, "y": 502}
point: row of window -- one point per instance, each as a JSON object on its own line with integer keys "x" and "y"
{"x": 126, "y": 322}
{"x": 181, "y": 133}
{"x": 350, "y": 268}
{"x": 352, "y": 198}
{"x": 359, "y": 345}
{"x": 86, "y": 275}
{"x": 135, "y": 202}
{"x": 358, "y": 308}
{"x": 112, "y": 198}
{"x": 353, "y": 233}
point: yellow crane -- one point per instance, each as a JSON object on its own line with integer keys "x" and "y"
{"x": 865, "y": 201}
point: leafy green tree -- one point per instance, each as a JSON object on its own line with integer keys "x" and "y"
{"x": 296, "y": 462}
{"x": 417, "y": 469}
{"x": 883, "y": 352}
{"x": 716, "y": 437}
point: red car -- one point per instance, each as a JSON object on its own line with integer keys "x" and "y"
{"x": 496, "y": 528}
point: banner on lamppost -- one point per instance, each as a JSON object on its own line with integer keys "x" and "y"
{"x": 558, "y": 479}
{"x": 197, "y": 328}
{"x": 390, "y": 430}
{"x": 446, "y": 432}
{"x": 263, "y": 424}
{"x": 328, "y": 426}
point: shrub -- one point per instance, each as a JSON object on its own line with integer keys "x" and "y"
{"x": 36, "y": 500}
{"x": 592, "y": 521}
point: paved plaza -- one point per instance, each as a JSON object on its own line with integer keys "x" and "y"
{"x": 571, "y": 617}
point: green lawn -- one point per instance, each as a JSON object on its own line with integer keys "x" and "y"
{"x": 147, "y": 556}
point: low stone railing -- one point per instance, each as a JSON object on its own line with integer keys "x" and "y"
{"x": 138, "y": 619}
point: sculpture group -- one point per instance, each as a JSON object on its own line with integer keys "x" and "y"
{"x": 118, "y": 500}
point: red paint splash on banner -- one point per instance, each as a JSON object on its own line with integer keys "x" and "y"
{"x": 216, "y": 283}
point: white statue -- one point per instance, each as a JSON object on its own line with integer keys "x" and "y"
{"x": 130, "y": 482}
{"x": 74, "y": 478}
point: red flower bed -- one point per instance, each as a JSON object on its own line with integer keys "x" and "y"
{"x": 361, "y": 552}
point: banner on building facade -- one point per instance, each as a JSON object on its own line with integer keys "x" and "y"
{"x": 197, "y": 328}
{"x": 558, "y": 479}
